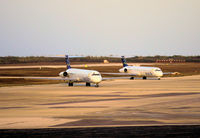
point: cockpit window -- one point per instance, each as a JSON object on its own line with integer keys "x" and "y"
{"x": 157, "y": 70}
{"x": 95, "y": 74}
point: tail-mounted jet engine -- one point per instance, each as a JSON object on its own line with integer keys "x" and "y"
{"x": 125, "y": 70}
{"x": 63, "y": 74}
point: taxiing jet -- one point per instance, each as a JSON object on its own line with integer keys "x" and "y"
{"x": 138, "y": 71}
{"x": 80, "y": 75}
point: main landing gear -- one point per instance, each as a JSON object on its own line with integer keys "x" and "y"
{"x": 96, "y": 85}
{"x": 70, "y": 84}
{"x": 131, "y": 78}
{"x": 87, "y": 84}
{"x": 144, "y": 78}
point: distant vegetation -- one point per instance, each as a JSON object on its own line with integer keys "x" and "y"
{"x": 57, "y": 60}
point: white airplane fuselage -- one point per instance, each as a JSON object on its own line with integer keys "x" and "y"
{"x": 142, "y": 71}
{"x": 81, "y": 75}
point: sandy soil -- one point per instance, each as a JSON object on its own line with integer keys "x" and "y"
{"x": 168, "y": 101}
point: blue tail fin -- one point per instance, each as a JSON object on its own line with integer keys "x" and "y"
{"x": 67, "y": 61}
{"x": 124, "y": 61}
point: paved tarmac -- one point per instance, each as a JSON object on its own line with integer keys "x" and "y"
{"x": 169, "y": 101}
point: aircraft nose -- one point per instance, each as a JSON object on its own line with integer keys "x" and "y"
{"x": 121, "y": 70}
{"x": 160, "y": 74}
{"x": 96, "y": 79}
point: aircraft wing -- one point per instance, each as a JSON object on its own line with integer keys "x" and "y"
{"x": 167, "y": 73}
{"x": 47, "y": 78}
{"x": 171, "y": 73}
{"x": 58, "y": 78}
{"x": 131, "y": 74}
{"x": 121, "y": 74}
{"x": 44, "y": 78}
{"x": 113, "y": 78}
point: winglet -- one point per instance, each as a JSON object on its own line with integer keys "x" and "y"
{"x": 67, "y": 61}
{"x": 124, "y": 61}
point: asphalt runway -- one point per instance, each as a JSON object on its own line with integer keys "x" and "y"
{"x": 169, "y": 101}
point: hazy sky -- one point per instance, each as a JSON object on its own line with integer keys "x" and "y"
{"x": 99, "y": 27}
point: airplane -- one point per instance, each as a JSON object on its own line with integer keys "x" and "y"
{"x": 139, "y": 71}
{"x": 80, "y": 75}
{"x": 73, "y": 75}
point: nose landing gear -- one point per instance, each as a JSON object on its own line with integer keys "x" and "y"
{"x": 70, "y": 84}
{"x": 96, "y": 85}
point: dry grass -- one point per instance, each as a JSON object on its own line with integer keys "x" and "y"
{"x": 20, "y": 82}
{"x": 186, "y": 69}
{"x": 30, "y": 72}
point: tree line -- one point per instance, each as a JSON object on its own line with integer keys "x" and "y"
{"x": 145, "y": 59}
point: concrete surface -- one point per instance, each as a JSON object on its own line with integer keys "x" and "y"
{"x": 170, "y": 101}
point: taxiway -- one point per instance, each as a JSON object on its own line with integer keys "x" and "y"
{"x": 170, "y": 101}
